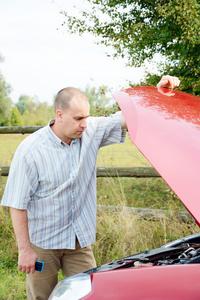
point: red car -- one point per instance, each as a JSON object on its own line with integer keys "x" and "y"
{"x": 165, "y": 126}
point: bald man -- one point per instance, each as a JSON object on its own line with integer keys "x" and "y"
{"x": 51, "y": 190}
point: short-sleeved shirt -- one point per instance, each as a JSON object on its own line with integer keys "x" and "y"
{"x": 56, "y": 183}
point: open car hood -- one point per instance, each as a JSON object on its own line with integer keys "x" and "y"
{"x": 165, "y": 126}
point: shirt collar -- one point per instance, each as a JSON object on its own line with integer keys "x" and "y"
{"x": 54, "y": 137}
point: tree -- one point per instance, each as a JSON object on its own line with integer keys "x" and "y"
{"x": 26, "y": 102}
{"x": 16, "y": 117}
{"x": 28, "y": 119}
{"x": 98, "y": 99}
{"x": 43, "y": 114}
{"x": 5, "y": 101}
{"x": 139, "y": 29}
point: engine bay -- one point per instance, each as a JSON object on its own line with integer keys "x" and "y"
{"x": 182, "y": 251}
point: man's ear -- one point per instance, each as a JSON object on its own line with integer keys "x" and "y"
{"x": 59, "y": 115}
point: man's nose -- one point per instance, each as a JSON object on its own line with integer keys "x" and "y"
{"x": 83, "y": 124}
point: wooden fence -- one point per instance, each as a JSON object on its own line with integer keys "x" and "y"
{"x": 139, "y": 172}
{"x": 101, "y": 172}
{"x": 110, "y": 172}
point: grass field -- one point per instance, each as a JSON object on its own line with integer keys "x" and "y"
{"x": 119, "y": 233}
{"x": 124, "y": 155}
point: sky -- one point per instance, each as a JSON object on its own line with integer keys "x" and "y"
{"x": 40, "y": 57}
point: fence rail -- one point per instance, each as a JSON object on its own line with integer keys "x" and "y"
{"x": 149, "y": 213}
{"x": 19, "y": 129}
{"x": 139, "y": 172}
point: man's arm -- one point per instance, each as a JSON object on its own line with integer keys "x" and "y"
{"x": 167, "y": 81}
{"x": 26, "y": 257}
{"x": 123, "y": 122}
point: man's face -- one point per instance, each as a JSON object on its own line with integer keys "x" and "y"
{"x": 73, "y": 122}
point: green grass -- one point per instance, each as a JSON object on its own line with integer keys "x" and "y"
{"x": 12, "y": 284}
{"x": 119, "y": 233}
{"x": 8, "y": 145}
{"x": 121, "y": 155}
{"x": 139, "y": 192}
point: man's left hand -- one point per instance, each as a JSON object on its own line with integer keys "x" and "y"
{"x": 169, "y": 82}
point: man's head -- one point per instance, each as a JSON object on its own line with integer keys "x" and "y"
{"x": 71, "y": 111}
{"x": 64, "y": 97}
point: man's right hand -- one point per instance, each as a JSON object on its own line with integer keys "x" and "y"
{"x": 27, "y": 257}
{"x": 26, "y": 261}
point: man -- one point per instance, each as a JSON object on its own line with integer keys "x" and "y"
{"x": 51, "y": 189}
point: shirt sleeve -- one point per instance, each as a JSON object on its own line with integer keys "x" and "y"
{"x": 108, "y": 130}
{"x": 22, "y": 182}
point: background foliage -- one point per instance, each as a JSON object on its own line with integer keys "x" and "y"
{"x": 139, "y": 29}
{"x": 29, "y": 111}
{"x": 5, "y": 101}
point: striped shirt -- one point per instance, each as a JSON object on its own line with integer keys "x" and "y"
{"x": 56, "y": 183}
